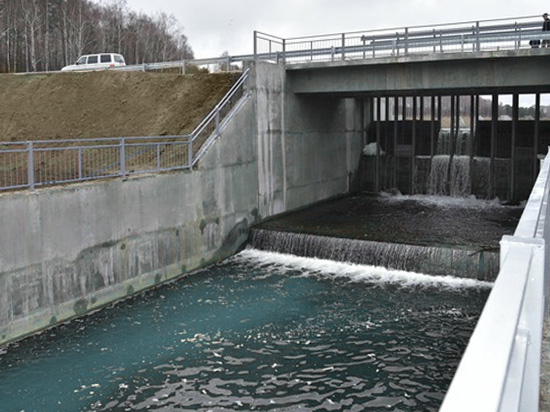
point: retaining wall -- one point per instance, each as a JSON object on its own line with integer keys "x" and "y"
{"x": 65, "y": 251}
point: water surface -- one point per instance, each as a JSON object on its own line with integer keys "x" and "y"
{"x": 262, "y": 331}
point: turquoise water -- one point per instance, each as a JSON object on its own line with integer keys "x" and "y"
{"x": 262, "y": 331}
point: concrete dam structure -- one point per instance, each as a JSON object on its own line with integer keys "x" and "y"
{"x": 297, "y": 140}
{"x": 301, "y": 136}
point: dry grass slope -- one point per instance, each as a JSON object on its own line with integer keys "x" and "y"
{"x": 106, "y": 104}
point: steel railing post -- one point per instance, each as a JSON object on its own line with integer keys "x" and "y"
{"x": 406, "y": 41}
{"x": 343, "y": 46}
{"x": 478, "y": 46}
{"x": 80, "y": 163}
{"x": 217, "y": 120}
{"x": 284, "y": 51}
{"x": 158, "y": 156}
{"x": 190, "y": 151}
{"x": 122, "y": 158}
{"x": 255, "y": 42}
{"x": 30, "y": 166}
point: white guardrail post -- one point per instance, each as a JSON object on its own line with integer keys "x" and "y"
{"x": 500, "y": 369}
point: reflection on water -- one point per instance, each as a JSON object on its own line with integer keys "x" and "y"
{"x": 263, "y": 332}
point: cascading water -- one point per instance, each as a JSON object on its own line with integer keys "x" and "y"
{"x": 450, "y": 175}
{"x": 439, "y": 261}
{"x": 452, "y": 171}
{"x": 425, "y": 234}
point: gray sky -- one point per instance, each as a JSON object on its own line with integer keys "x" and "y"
{"x": 214, "y": 26}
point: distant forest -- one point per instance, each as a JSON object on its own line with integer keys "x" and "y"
{"x": 41, "y": 35}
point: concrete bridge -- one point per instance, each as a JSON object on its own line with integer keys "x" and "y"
{"x": 483, "y": 73}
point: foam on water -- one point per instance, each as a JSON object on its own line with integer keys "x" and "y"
{"x": 354, "y": 272}
{"x": 467, "y": 202}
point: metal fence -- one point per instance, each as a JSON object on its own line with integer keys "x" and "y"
{"x": 33, "y": 164}
{"x": 473, "y": 36}
{"x": 500, "y": 369}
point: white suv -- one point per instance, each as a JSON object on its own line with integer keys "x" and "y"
{"x": 100, "y": 61}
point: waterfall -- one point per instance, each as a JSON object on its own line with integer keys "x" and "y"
{"x": 441, "y": 261}
{"x": 450, "y": 175}
{"x": 461, "y": 142}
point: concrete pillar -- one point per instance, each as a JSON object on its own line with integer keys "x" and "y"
{"x": 378, "y": 140}
{"x": 515, "y": 115}
{"x": 413, "y": 145}
{"x": 395, "y": 131}
{"x": 494, "y": 129}
{"x": 536, "y": 136}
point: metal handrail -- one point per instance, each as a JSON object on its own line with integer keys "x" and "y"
{"x": 500, "y": 369}
{"x": 494, "y": 34}
{"x": 38, "y": 163}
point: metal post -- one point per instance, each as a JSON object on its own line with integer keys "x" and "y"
{"x": 284, "y": 51}
{"x": 80, "y": 163}
{"x": 406, "y": 41}
{"x": 190, "y": 151}
{"x": 217, "y": 120}
{"x": 30, "y": 166}
{"x": 255, "y": 42}
{"x": 477, "y": 30}
{"x": 122, "y": 158}
{"x": 343, "y": 46}
{"x": 158, "y": 156}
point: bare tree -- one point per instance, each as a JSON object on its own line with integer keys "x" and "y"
{"x": 49, "y": 34}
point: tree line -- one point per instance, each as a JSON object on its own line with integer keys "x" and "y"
{"x": 42, "y": 35}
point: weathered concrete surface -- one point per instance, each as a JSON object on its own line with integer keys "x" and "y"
{"x": 469, "y": 73}
{"x": 65, "y": 251}
{"x": 308, "y": 148}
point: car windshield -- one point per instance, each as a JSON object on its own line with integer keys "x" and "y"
{"x": 82, "y": 60}
{"x": 118, "y": 58}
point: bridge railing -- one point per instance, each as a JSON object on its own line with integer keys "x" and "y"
{"x": 32, "y": 164}
{"x": 500, "y": 369}
{"x": 473, "y": 36}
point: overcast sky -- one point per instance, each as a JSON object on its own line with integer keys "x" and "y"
{"x": 215, "y": 26}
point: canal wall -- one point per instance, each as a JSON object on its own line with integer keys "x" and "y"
{"x": 68, "y": 250}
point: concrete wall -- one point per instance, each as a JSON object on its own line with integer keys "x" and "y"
{"x": 65, "y": 251}
{"x": 308, "y": 148}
